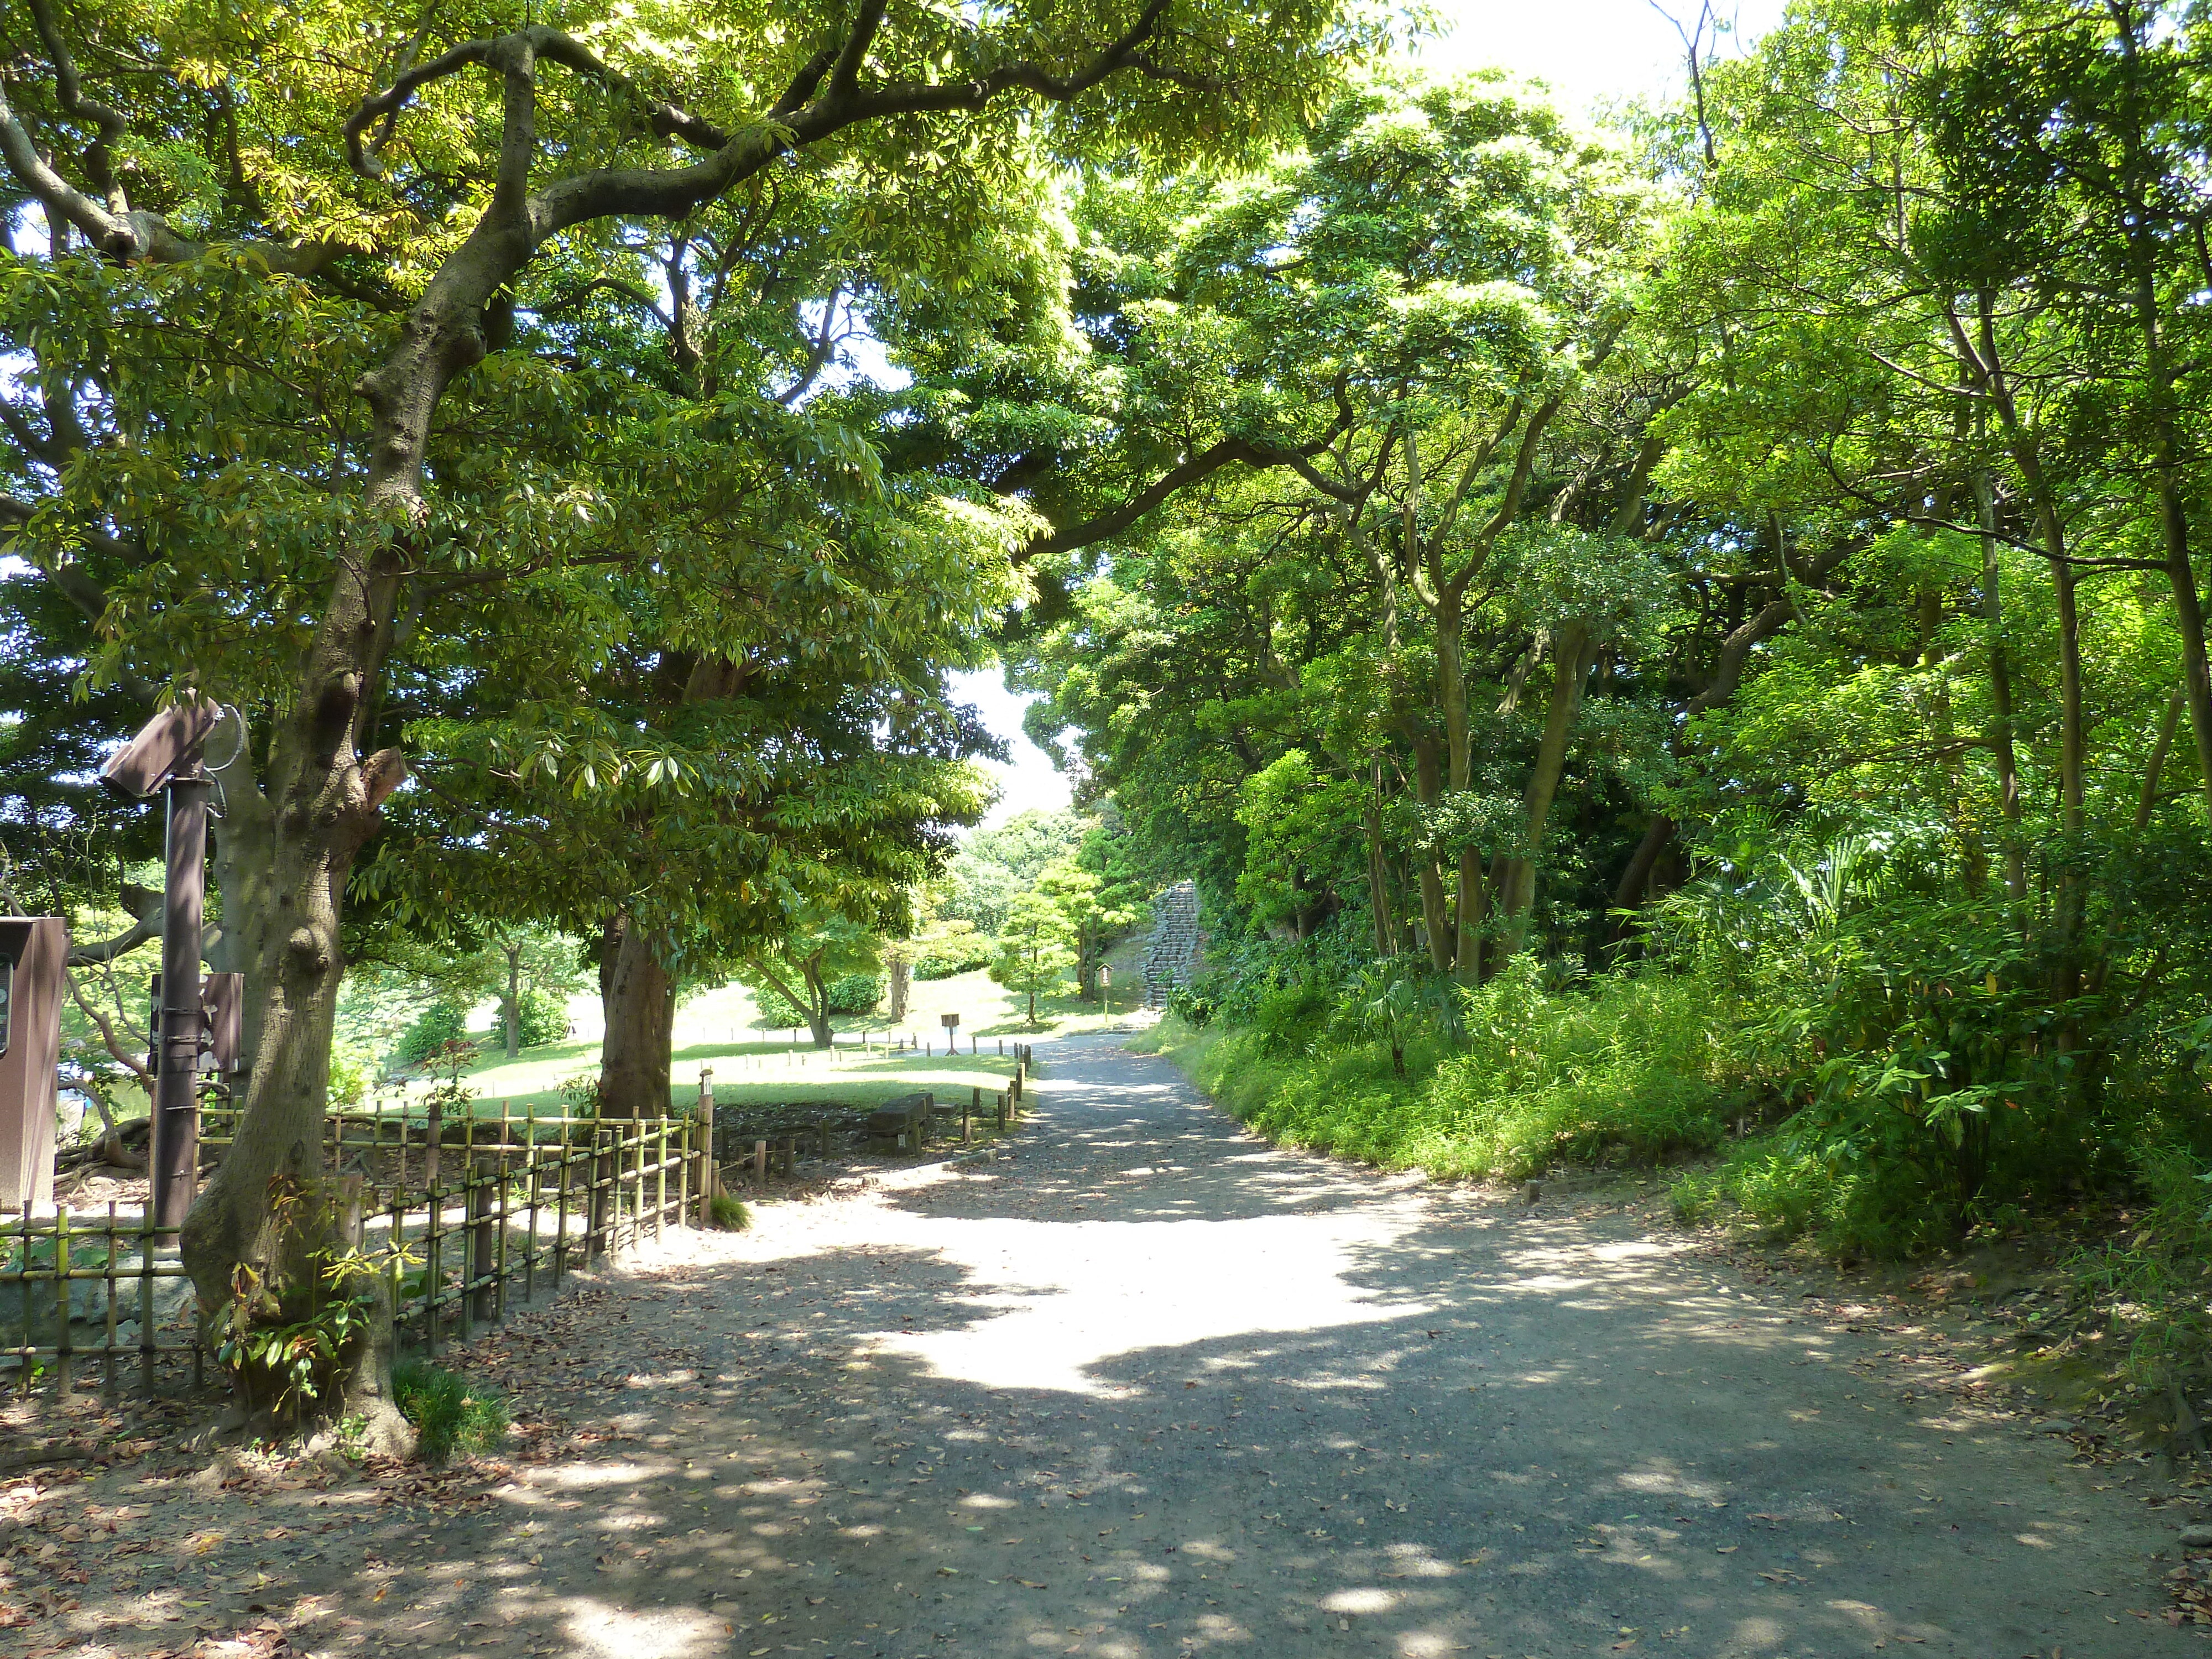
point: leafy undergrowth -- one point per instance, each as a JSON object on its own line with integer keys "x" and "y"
{"x": 450, "y": 1413}
{"x": 1516, "y": 1082}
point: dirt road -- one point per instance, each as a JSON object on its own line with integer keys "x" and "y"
{"x": 1148, "y": 1387}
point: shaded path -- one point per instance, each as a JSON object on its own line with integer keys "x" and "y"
{"x": 1148, "y": 1387}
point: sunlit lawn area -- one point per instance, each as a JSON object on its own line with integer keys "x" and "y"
{"x": 715, "y": 1030}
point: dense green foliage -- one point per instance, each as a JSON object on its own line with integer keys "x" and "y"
{"x": 1690, "y": 643}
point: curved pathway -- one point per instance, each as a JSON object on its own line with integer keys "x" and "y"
{"x": 1146, "y": 1387}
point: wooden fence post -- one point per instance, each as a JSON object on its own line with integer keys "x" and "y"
{"x": 760, "y": 1162}
{"x": 531, "y": 1181}
{"x": 974, "y": 1107}
{"x": 708, "y": 1171}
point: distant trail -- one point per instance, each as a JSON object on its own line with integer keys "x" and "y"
{"x": 1152, "y": 1389}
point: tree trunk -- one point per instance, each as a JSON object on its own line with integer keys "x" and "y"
{"x": 2146, "y": 802}
{"x": 817, "y": 1003}
{"x": 1573, "y": 653}
{"x": 638, "y": 999}
{"x": 902, "y": 977}
{"x": 513, "y": 1001}
{"x": 1428, "y": 786}
{"x": 1378, "y": 875}
{"x": 2001, "y": 732}
{"x": 285, "y": 856}
{"x": 1472, "y": 906}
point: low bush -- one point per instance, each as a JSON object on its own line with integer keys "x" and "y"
{"x": 855, "y": 994}
{"x": 2155, "y": 1275}
{"x": 1507, "y": 1080}
{"x": 962, "y": 953}
{"x": 352, "y": 1072}
{"x": 730, "y": 1214}
{"x": 544, "y": 1018}
{"x": 450, "y": 1413}
{"x": 443, "y": 1022}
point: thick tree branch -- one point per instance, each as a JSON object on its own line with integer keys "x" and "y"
{"x": 1197, "y": 468}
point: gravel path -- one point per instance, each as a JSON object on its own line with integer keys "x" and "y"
{"x": 1146, "y": 1387}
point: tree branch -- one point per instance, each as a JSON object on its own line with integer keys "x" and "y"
{"x": 1229, "y": 451}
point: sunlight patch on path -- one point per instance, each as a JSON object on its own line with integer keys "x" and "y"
{"x": 1093, "y": 1292}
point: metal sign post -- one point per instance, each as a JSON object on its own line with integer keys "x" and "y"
{"x": 173, "y": 1165}
{"x": 165, "y": 755}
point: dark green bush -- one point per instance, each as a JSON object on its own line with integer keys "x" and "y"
{"x": 544, "y": 1018}
{"x": 855, "y": 994}
{"x": 443, "y": 1022}
{"x": 962, "y": 954}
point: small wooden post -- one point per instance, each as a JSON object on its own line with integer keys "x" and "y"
{"x": 107, "y": 1348}
{"x": 499, "y": 1267}
{"x": 1000, "y": 1097}
{"x": 530, "y": 1188}
{"x": 975, "y": 1107}
{"x": 475, "y": 1210}
{"x": 395, "y": 1236}
{"x": 660, "y": 1175}
{"x": 146, "y": 1238}
{"x": 435, "y": 1118}
{"x": 560, "y": 1199}
{"x": 707, "y": 1165}
{"x": 434, "y": 1233}
{"x": 64, "y": 1347}
{"x": 760, "y": 1162}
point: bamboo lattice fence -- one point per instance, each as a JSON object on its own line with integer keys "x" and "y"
{"x": 487, "y": 1207}
{"x": 482, "y": 1206}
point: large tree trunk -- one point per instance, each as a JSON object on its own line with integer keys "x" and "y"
{"x": 513, "y": 1010}
{"x": 1428, "y": 786}
{"x": 285, "y": 853}
{"x": 2001, "y": 727}
{"x": 1573, "y": 653}
{"x": 1378, "y": 877}
{"x": 902, "y": 978}
{"x": 638, "y": 999}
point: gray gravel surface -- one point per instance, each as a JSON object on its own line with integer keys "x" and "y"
{"x": 1146, "y": 1387}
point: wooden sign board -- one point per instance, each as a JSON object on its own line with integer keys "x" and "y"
{"x": 33, "y": 950}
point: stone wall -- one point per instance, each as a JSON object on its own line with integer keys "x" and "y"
{"x": 1171, "y": 955}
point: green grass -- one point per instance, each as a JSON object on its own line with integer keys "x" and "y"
{"x": 450, "y": 1413}
{"x": 751, "y": 1068}
{"x": 730, "y": 1213}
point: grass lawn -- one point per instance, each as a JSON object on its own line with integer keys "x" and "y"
{"x": 714, "y": 1030}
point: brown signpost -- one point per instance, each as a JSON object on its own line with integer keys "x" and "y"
{"x": 33, "y": 951}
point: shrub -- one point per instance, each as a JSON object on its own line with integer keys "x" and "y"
{"x": 445, "y": 1021}
{"x": 2155, "y": 1277}
{"x": 353, "y": 1070}
{"x": 730, "y": 1214}
{"x": 1520, "y": 1076}
{"x": 775, "y": 1012}
{"x": 962, "y": 953}
{"x": 450, "y": 1413}
{"x": 855, "y": 994}
{"x": 544, "y": 1018}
